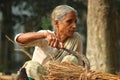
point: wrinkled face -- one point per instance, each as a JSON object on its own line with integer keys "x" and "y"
{"x": 67, "y": 26}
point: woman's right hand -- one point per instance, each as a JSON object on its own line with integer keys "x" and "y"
{"x": 53, "y": 41}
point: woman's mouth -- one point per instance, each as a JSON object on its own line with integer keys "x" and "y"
{"x": 72, "y": 31}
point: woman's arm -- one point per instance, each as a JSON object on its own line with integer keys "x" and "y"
{"x": 44, "y": 34}
{"x": 30, "y": 36}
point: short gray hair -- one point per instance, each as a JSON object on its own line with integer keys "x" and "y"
{"x": 60, "y": 11}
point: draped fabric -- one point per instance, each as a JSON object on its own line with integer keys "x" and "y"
{"x": 71, "y": 44}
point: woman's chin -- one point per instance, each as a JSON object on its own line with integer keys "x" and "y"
{"x": 70, "y": 35}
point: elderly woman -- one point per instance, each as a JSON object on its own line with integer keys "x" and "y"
{"x": 48, "y": 44}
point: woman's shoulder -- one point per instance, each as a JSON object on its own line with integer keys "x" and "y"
{"x": 45, "y": 31}
{"x": 77, "y": 34}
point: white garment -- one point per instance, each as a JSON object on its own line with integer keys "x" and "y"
{"x": 42, "y": 50}
{"x": 34, "y": 70}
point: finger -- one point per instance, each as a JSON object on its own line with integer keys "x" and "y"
{"x": 56, "y": 43}
{"x": 49, "y": 41}
{"x": 50, "y": 38}
{"x": 52, "y": 42}
{"x": 61, "y": 45}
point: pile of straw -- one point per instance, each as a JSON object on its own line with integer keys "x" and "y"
{"x": 68, "y": 71}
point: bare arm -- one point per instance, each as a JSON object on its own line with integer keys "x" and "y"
{"x": 31, "y": 36}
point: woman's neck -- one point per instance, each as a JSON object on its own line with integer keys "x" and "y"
{"x": 60, "y": 37}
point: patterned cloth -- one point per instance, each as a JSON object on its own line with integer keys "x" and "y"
{"x": 71, "y": 44}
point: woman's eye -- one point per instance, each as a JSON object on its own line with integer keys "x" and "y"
{"x": 69, "y": 21}
{"x": 75, "y": 21}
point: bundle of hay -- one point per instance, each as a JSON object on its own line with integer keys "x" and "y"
{"x": 68, "y": 71}
{"x": 7, "y": 77}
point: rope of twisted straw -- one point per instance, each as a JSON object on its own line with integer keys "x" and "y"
{"x": 68, "y": 71}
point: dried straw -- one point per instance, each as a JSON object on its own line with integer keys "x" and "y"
{"x": 69, "y": 71}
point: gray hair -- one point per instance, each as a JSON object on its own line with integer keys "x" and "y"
{"x": 59, "y": 13}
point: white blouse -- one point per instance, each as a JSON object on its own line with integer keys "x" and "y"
{"x": 42, "y": 50}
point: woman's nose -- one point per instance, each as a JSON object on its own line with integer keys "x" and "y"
{"x": 74, "y": 25}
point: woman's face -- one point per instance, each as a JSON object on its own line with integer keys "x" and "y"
{"x": 67, "y": 26}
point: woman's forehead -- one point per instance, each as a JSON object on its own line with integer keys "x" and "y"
{"x": 70, "y": 15}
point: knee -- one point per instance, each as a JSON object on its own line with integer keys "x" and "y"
{"x": 70, "y": 58}
{"x": 35, "y": 70}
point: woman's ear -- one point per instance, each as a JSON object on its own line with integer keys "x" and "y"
{"x": 56, "y": 23}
